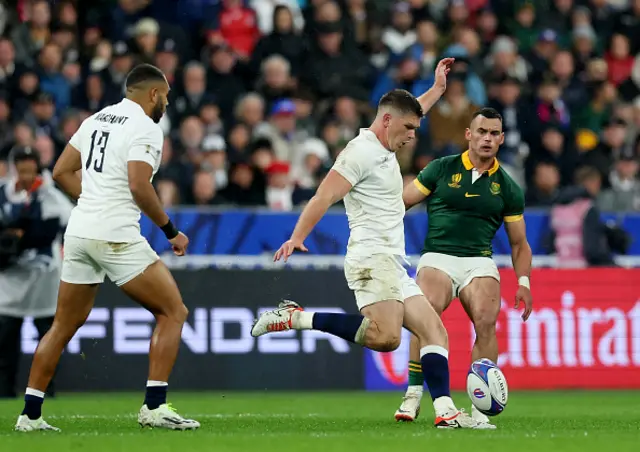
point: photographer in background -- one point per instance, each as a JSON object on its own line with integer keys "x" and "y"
{"x": 33, "y": 214}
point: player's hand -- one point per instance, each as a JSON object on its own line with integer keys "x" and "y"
{"x": 442, "y": 70}
{"x": 523, "y": 295}
{"x": 288, "y": 248}
{"x": 179, "y": 244}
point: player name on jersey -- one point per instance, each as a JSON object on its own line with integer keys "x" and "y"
{"x": 111, "y": 119}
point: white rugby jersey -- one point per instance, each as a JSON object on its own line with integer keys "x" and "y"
{"x": 374, "y": 205}
{"x": 107, "y": 140}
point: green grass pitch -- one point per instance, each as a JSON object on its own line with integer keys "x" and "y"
{"x": 329, "y": 422}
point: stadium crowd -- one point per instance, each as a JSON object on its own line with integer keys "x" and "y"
{"x": 266, "y": 93}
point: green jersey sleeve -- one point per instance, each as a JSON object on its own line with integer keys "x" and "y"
{"x": 428, "y": 178}
{"x": 513, "y": 204}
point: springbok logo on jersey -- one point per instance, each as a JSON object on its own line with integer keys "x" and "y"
{"x": 494, "y": 188}
{"x": 455, "y": 180}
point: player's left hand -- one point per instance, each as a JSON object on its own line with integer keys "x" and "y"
{"x": 523, "y": 295}
{"x": 442, "y": 70}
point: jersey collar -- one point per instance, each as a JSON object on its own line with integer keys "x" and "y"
{"x": 466, "y": 161}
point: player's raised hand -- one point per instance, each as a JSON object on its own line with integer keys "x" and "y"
{"x": 441, "y": 72}
{"x": 288, "y": 248}
{"x": 523, "y": 295}
{"x": 179, "y": 244}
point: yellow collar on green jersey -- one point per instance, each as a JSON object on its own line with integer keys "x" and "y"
{"x": 466, "y": 161}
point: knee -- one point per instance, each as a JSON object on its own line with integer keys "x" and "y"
{"x": 386, "y": 341}
{"x": 181, "y": 314}
{"x": 484, "y": 322}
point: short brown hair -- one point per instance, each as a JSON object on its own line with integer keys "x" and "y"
{"x": 586, "y": 173}
{"x": 403, "y": 101}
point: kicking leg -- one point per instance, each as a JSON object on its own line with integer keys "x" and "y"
{"x": 481, "y": 301}
{"x": 74, "y": 305}
{"x": 378, "y": 327}
{"x": 157, "y": 291}
{"x": 436, "y": 285}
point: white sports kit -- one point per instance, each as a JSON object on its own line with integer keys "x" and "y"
{"x": 103, "y": 236}
{"x": 375, "y": 210}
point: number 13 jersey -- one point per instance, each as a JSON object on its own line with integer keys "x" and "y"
{"x": 107, "y": 141}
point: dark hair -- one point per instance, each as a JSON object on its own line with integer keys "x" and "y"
{"x": 23, "y": 154}
{"x": 143, "y": 73}
{"x": 403, "y": 101}
{"x": 586, "y": 173}
{"x": 487, "y": 112}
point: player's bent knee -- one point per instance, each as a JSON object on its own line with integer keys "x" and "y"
{"x": 386, "y": 342}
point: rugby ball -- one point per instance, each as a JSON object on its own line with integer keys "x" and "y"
{"x": 487, "y": 387}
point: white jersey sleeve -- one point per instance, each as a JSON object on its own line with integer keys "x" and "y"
{"x": 146, "y": 146}
{"x": 354, "y": 163}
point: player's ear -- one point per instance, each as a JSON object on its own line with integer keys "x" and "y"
{"x": 467, "y": 134}
{"x": 501, "y": 138}
{"x": 386, "y": 119}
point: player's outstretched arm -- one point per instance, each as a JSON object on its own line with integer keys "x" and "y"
{"x": 64, "y": 172}
{"x": 429, "y": 99}
{"x": 333, "y": 188}
{"x": 521, "y": 257}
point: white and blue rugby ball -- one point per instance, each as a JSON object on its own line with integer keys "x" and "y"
{"x": 487, "y": 387}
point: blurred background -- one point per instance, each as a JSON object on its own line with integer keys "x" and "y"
{"x": 266, "y": 93}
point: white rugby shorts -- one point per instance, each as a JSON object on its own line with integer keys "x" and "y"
{"x": 461, "y": 270}
{"x": 378, "y": 278}
{"x": 87, "y": 261}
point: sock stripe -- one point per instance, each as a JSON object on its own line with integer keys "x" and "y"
{"x": 34, "y": 392}
{"x": 434, "y": 349}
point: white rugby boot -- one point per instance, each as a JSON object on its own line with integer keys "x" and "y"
{"x": 448, "y": 416}
{"x": 482, "y": 418}
{"x": 165, "y": 416}
{"x": 410, "y": 408}
{"x": 24, "y": 424}
{"x": 279, "y": 319}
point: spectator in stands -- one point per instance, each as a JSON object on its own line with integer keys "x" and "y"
{"x": 600, "y": 107}
{"x": 333, "y": 65}
{"x": 166, "y": 58}
{"x": 545, "y": 185}
{"x": 261, "y": 155}
{"x": 222, "y": 81}
{"x": 268, "y": 10}
{"x": 285, "y": 39}
{"x": 30, "y": 37}
{"x": 214, "y": 160}
{"x": 279, "y": 193}
{"x": 523, "y": 27}
{"x": 192, "y": 95}
{"x": 6, "y": 133}
{"x": 425, "y": 50}
{"x": 584, "y": 46}
{"x": 400, "y": 35}
{"x": 280, "y": 131}
{"x": 237, "y": 26}
{"x": 42, "y": 117}
{"x": 451, "y": 117}
{"x": 52, "y": 80}
{"x": 239, "y": 140}
{"x": 619, "y": 59}
{"x": 205, "y": 190}
{"x": 45, "y": 147}
{"x": 539, "y": 58}
{"x": 573, "y": 89}
{"x": 624, "y": 194}
{"x": 250, "y": 110}
{"x": 510, "y": 105}
{"x": 613, "y": 141}
{"x": 579, "y": 235}
{"x": 549, "y": 106}
{"x": 505, "y": 61}
{"x": 315, "y": 156}
{"x": 90, "y": 96}
{"x": 8, "y": 65}
{"x": 246, "y": 186}
{"x": 115, "y": 74}
{"x": 210, "y": 117}
{"x": 275, "y": 82}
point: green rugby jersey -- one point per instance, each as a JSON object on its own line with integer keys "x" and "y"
{"x": 465, "y": 216}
